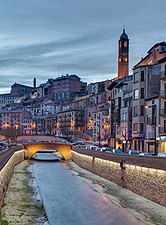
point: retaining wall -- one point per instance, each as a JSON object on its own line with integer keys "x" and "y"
{"x": 148, "y": 180}
{"x": 7, "y": 170}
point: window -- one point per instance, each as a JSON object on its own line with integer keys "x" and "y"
{"x": 135, "y": 126}
{"x": 165, "y": 70}
{"x": 125, "y": 44}
{"x": 125, "y": 103}
{"x": 164, "y": 125}
{"x": 123, "y": 117}
{"x": 142, "y": 75}
{"x": 135, "y": 111}
{"x": 142, "y": 110}
{"x": 136, "y": 80}
{"x": 142, "y": 92}
{"x": 141, "y": 126}
{"x": 136, "y": 94}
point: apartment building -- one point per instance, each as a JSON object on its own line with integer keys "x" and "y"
{"x": 152, "y": 125}
{"x": 7, "y": 99}
{"x": 13, "y": 119}
{"x": 65, "y": 86}
{"x": 100, "y": 123}
{"x": 121, "y": 112}
{"x": 69, "y": 121}
{"x": 162, "y": 119}
{"x": 146, "y": 84}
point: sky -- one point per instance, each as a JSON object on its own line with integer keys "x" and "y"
{"x": 49, "y": 38}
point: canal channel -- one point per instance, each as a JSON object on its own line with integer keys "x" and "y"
{"x": 69, "y": 199}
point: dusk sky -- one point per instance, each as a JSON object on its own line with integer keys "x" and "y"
{"x": 48, "y": 38}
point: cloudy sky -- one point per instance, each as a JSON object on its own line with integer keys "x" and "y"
{"x": 48, "y": 38}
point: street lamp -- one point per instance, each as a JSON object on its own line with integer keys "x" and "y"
{"x": 16, "y": 126}
{"x": 154, "y": 122}
{"x": 33, "y": 127}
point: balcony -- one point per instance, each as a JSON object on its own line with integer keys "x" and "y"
{"x": 151, "y": 135}
{"x": 163, "y": 93}
{"x": 162, "y": 130}
{"x": 127, "y": 94}
{"x": 163, "y": 112}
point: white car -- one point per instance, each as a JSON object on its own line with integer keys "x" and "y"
{"x": 93, "y": 148}
{"x": 162, "y": 154}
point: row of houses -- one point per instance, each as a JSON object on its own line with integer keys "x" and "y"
{"x": 127, "y": 112}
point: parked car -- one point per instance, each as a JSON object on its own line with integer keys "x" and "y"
{"x": 11, "y": 145}
{"x": 78, "y": 143}
{"x": 3, "y": 144}
{"x": 117, "y": 151}
{"x": 106, "y": 149}
{"x": 145, "y": 154}
{"x": 162, "y": 154}
{"x": 109, "y": 150}
{"x": 83, "y": 146}
{"x": 93, "y": 147}
{"x": 98, "y": 149}
{"x": 132, "y": 152}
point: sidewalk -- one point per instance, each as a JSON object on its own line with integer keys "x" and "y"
{"x": 146, "y": 211}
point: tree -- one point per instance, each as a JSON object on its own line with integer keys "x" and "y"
{"x": 11, "y": 134}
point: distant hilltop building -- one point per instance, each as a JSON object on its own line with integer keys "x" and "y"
{"x": 19, "y": 89}
{"x": 123, "y": 56}
{"x": 64, "y": 86}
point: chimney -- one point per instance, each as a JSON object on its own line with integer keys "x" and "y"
{"x": 34, "y": 82}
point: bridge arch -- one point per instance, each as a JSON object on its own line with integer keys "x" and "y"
{"x": 63, "y": 148}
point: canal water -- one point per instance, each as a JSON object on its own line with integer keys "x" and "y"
{"x": 70, "y": 200}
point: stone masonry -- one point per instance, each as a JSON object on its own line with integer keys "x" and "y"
{"x": 6, "y": 173}
{"x": 147, "y": 182}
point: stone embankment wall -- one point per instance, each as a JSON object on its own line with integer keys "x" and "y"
{"x": 148, "y": 181}
{"x": 7, "y": 170}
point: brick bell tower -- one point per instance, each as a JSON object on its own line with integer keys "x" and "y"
{"x": 123, "y": 57}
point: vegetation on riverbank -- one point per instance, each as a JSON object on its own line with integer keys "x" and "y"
{"x": 22, "y": 203}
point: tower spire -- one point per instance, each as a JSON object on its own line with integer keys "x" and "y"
{"x": 123, "y": 28}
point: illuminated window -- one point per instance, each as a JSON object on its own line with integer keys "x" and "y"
{"x": 125, "y": 44}
{"x": 136, "y": 94}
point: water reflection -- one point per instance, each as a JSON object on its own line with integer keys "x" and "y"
{"x": 47, "y": 156}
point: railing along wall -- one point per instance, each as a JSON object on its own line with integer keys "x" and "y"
{"x": 153, "y": 162}
{"x": 6, "y": 154}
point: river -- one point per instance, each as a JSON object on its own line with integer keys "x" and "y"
{"x": 70, "y": 200}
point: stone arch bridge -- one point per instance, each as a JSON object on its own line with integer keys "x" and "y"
{"x": 63, "y": 148}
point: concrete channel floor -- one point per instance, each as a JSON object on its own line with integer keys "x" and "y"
{"x": 146, "y": 211}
